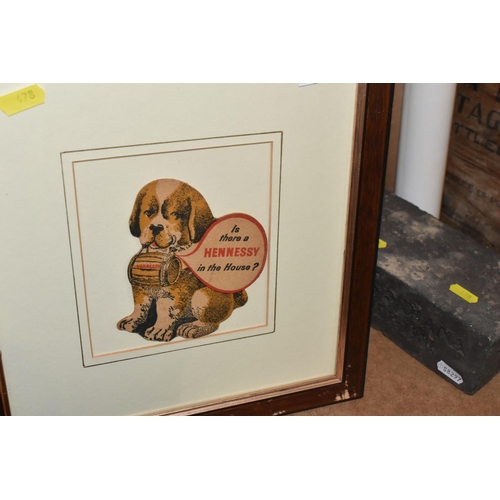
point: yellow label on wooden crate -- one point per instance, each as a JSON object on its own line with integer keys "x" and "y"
{"x": 464, "y": 294}
{"x": 22, "y": 99}
{"x": 382, "y": 244}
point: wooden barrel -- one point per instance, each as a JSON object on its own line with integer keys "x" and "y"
{"x": 154, "y": 269}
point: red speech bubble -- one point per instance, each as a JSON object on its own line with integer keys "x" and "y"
{"x": 231, "y": 255}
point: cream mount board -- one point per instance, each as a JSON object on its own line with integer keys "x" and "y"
{"x": 72, "y": 169}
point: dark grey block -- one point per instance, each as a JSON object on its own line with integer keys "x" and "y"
{"x": 414, "y": 307}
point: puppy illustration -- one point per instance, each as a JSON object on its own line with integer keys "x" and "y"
{"x": 170, "y": 216}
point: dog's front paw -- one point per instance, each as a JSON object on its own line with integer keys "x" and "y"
{"x": 159, "y": 334}
{"x": 196, "y": 329}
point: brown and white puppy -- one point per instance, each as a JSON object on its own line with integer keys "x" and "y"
{"x": 170, "y": 216}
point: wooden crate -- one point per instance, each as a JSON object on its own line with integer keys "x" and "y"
{"x": 471, "y": 198}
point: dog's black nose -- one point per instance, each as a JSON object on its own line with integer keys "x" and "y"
{"x": 156, "y": 228}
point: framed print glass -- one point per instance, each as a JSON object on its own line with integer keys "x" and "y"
{"x": 188, "y": 248}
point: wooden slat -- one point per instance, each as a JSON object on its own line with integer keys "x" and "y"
{"x": 471, "y": 198}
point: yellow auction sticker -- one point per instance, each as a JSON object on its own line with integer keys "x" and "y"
{"x": 22, "y": 99}
{"x": 463, "y": 293}
{"x": 382, "y": 244}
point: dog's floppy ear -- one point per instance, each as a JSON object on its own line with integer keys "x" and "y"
{"x": 134, "y": 225}
{"x": 200, "y": 217}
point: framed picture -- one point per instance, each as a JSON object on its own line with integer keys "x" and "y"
{"x": 176, "y": 249}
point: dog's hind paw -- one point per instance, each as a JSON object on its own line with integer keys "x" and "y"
{"x": 196, "y": 329}
{"x": 128, "y": 323}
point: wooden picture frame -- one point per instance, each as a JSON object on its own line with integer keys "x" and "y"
{"x": 373, "y": 103}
